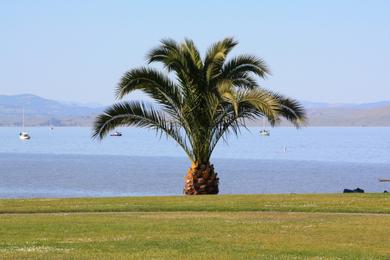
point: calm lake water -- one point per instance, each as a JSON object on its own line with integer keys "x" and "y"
{"x": 65, "y": 162}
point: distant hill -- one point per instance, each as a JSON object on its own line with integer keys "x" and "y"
{"x": 44, "y": 112}
{"x": 359, "y": 115}
{"x": 41, "y": 106}
{"x": 41, "y": 111}
{"x": 365, "y": 114}
{"x": 322, "y": 105}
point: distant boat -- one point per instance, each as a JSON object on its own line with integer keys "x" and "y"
{"x": 24, "y": 135}
{"x": 116, "y": 133}
{"x": 264, "y": 132}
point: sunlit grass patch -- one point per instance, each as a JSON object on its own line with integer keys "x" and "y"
{"x": 212, "y": 227}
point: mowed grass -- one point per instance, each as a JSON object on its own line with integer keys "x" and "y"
{"x": 363, "y": 203}
{"x": 207, "y": 227}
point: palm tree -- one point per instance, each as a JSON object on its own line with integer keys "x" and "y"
{"x": 197, "y": 102}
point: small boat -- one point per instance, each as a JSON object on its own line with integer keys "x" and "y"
{"x": 116, "y": 133}
{"x": 264, "y": 132}
{"x": 384, "y": 180}
{"x": 24, "y": 135}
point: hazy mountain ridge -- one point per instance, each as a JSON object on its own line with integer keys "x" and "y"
{"x": 43, "y": 112}
{"x": 323, "y": 105}
{"x": 33, "y": 104}
{"x": 360, "y": 115}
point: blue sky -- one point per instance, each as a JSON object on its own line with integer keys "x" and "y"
{"x": 71, "y": 50}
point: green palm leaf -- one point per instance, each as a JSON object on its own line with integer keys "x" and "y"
{"x": 138, "y": 114}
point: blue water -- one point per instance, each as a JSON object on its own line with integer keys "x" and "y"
{"x": 65, "y": 162}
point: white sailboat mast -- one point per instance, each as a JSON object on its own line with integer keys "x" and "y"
{"x": 23, "y": 120}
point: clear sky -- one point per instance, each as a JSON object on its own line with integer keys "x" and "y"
{"x": 73, "y": 50}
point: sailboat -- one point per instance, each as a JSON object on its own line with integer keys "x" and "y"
{"x": 116, "y": 133}
{"x": 24, "y": 135}
{"x": 264, "y": 132}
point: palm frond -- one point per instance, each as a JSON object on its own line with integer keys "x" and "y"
{"x": 155, "y": 84}
{"x": 242, "y": 66}
{"x": 229, "y": 121}
{"x": 291, "y": 110}
{"x": 138, "y": 114}
{"x": 190, "y": 48}
{"x": 262, "y": 101}
{"x": 161, "y": 53}
{"x": 169, "y": 53}
{"x": 228, "y": 94}
{"x": 216, "y": 56}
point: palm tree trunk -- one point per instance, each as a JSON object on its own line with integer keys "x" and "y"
{"x": 201, "y": 179}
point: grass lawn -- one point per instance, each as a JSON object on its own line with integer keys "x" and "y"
{"x": 333, "y": 226}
